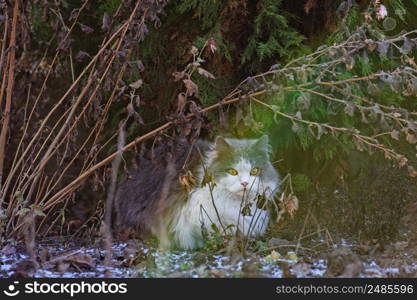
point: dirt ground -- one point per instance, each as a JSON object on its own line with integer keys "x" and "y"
{"x": 59, "y": 257}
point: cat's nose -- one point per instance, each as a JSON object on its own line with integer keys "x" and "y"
{"x": 244, "y": 184}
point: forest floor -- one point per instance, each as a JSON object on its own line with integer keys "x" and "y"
{"x": 63, "y": 257}
{"x": 133, "y": 259}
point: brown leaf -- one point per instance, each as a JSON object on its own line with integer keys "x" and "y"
{"x": 194, "y": 50}
{"x": 383, "y": 47}
{"x": 86, "y": 29}
{"x": 350, "y": 109}
{"x": 370, "y": 44}
{"x": 205, "y": 73}
{"x": 291, "y": 205}
{"x": 182, "y": 99}
{"x": 349, "y": 62}
{"x": 187, "y": 181}
{"x": 178, "y": 76}
{"x": 81, "y": 260}
{"x": 223, "y": 119}
{"x": 212, "y": 46}
{"x": 81, "y": 55}
{"x": 192, "y": 88}
{"x": 137, "y": 84}
{"x": 395, "y": 134}
{"x": 411, "y": 171}
{"x": 106, "y": 22}
{"x": 411, "y": 138}
{"x": 62, "y": 266}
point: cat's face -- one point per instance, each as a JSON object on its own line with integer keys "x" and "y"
{"x": 241, "y": 176}
{"x": 242, "y": 166}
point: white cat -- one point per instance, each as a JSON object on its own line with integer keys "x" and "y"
{"x": 241, "y": 173}
{"x": 233, "y": 177}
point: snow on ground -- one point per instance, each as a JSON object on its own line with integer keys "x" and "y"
{"x": 88, "y": 262}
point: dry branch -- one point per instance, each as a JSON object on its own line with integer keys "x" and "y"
{"x": 9, "y": 91}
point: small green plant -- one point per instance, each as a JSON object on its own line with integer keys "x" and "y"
{"x": 214, "y": 240}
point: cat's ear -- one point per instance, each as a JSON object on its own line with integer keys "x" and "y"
{"x": 263, "y": 144}
{"x": 220, "y": 144}
{"x": 263, "y": 141}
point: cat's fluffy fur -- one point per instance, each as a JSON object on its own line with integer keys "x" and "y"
{"x": 154, "y": 200}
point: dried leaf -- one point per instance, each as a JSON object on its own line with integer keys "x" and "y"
{"x": 252, "y": 83}
{"x": 137, "y": 84}
{"x": 62, "y": 266}
{"x": 187, "y": 181}
{"x": 370, "y": 44}
{"x": 350, "y": 109}
{"x": 303, "y": 101}
{"x": 223, "y": 119}
{"x": 73, "y": 14}
{"x": 320, "y": 131}
{"x": 106, "y": 22}
{"x": 383, "y": 47}
{"x": 411, "y": 138}
{"x": 192, "y": 88}
{"x": 207, "y": 178}
{"x": 291, "y": 204}
{"x": 181, "y": 101}
{"x": 411, "y": 61}
{"x": 37, "y": 210}
{"x": 411, "y": 171}
{"x": 349, "y": 62}
{"x": 81, "y": 55}
{"x": 364, "y": 119}
{"x": 130, "y": 109}
{"x": 23, "y": 211}
{"x": 246, "y": 211}
{"x": 274, "y": 67}
{"x": 178, "y": 76}
{"x": 295, "y": 128}
{"x": 402, "y": 160}
{"x": 86, "y": 29}
{"x": 395, "y": 134}
{"x": 376, "y": 110}
{"x": 359, "y": 145}
{"x": 205, "y": 73}
{"x": 212, "y": 46}
{"x": 81, "y": 260}
{"x": 194, "y": 50}
{"x": 407, "y": 46}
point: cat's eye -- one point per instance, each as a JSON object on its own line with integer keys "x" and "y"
{"x": 232, "y": 172}
{"x": 254, "y": 171}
